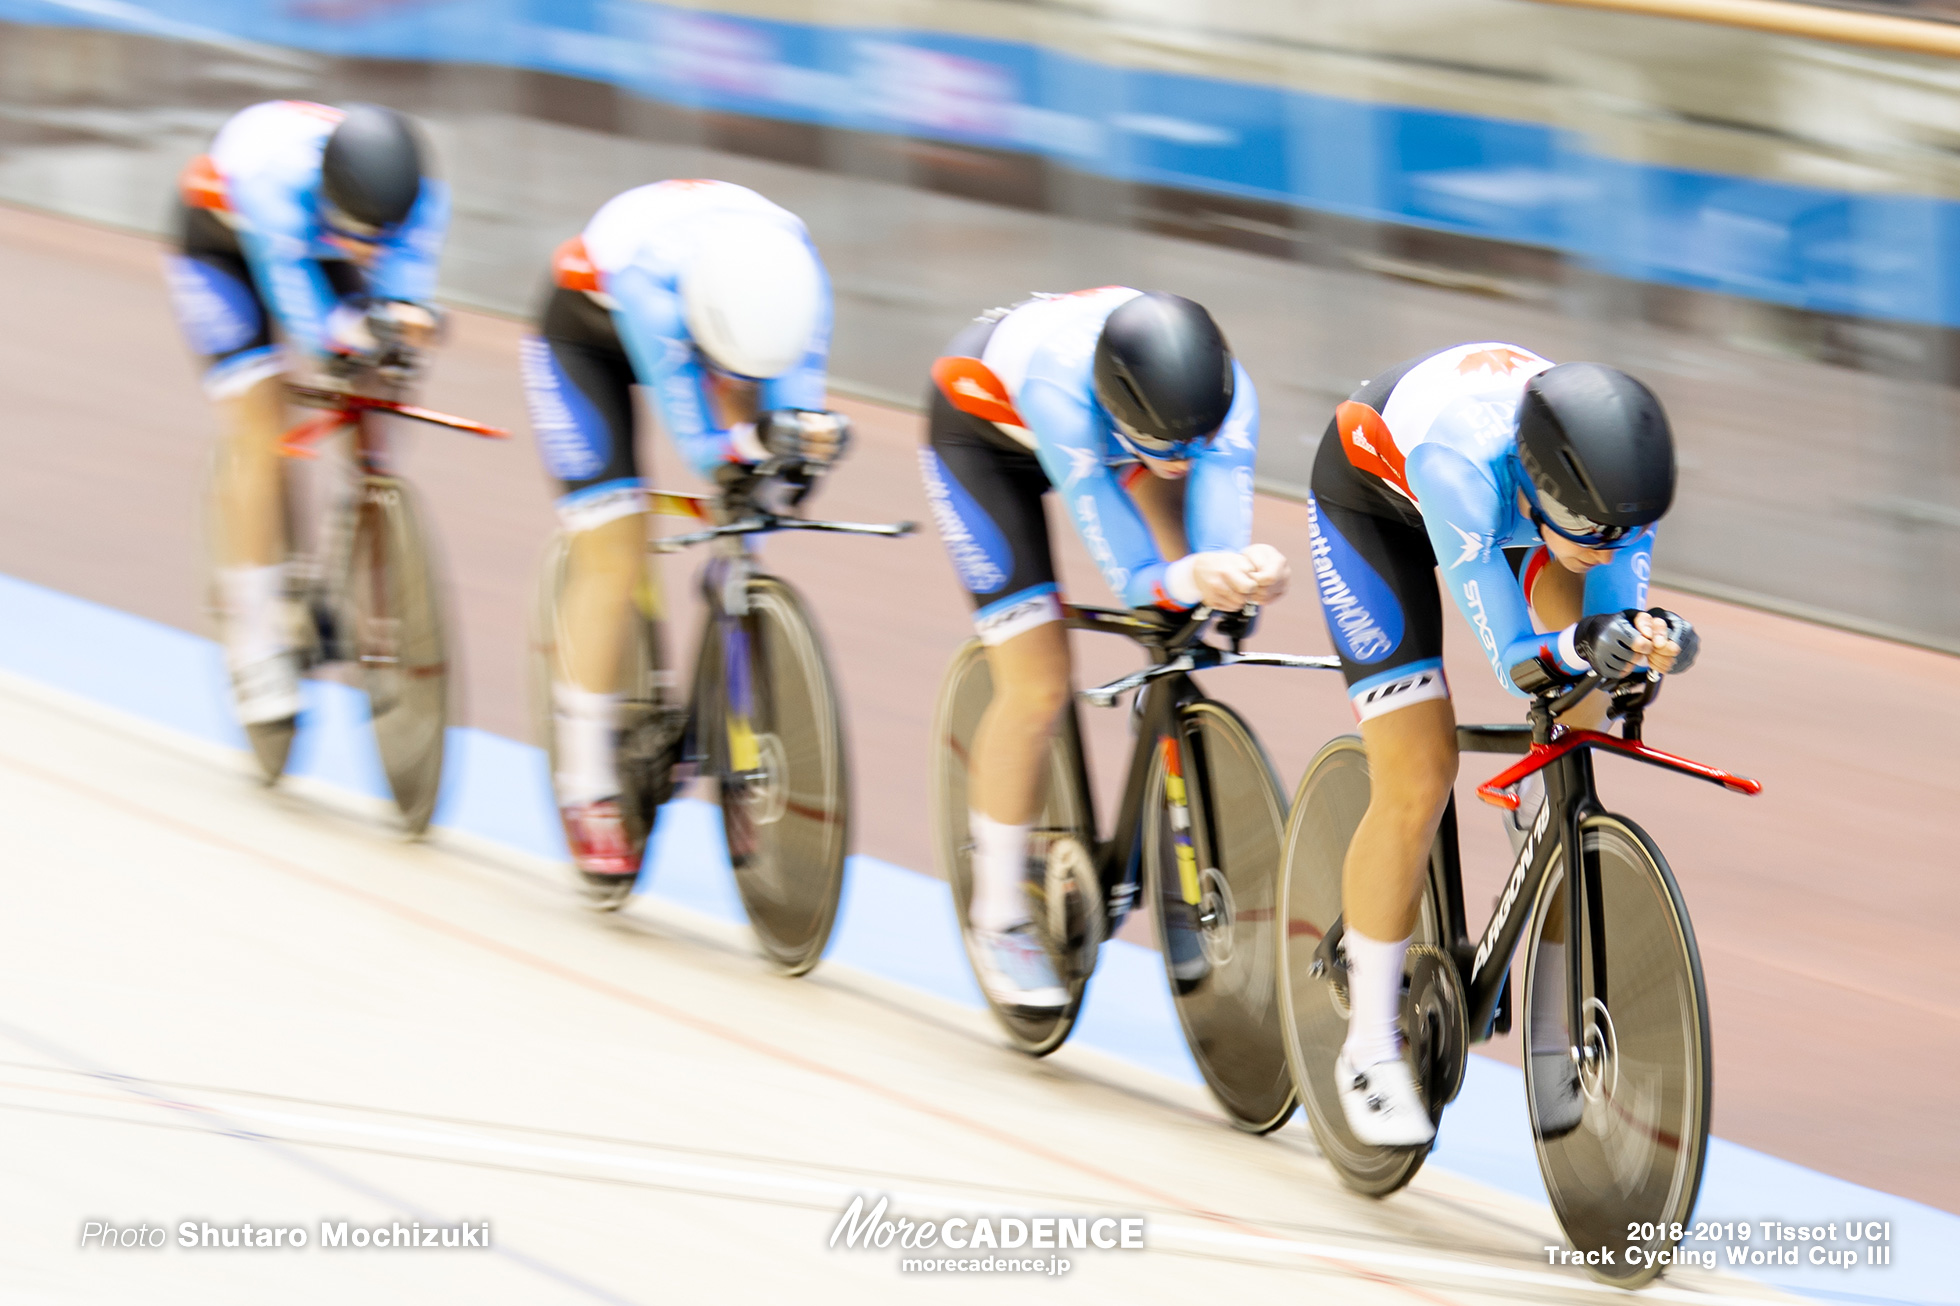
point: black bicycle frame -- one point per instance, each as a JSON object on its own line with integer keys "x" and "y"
{"x": 1164, "y": 690}
{"x": 1565, "y": 756}
{"x": 724, "y": 585}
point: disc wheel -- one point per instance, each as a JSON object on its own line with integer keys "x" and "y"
{"x": 785, "y": 793}
{"x": 398, "y": 643}
{"x": 1331, "y": 800}
{"x": 648, "y": 781}
{"x": 272, "y": 744}
{"x": 1064, "y": 834}
{"x": 1215, "y": 922}
{"x": 1635, "y": 1153}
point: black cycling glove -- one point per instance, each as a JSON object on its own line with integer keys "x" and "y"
{"x": 1605, "y": 641}
{"x": 1681, "y": 633}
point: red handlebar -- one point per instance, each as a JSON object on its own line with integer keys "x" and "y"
{"x": 1493, "y": 790}
{"x": 342, "y": 409}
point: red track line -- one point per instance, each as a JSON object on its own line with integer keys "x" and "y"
{"x": 578, "y": 978}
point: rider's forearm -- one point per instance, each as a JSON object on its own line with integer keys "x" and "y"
{"x": 1492, "y": 601}
{"x": 801, "y": 387}
{"x": 1622, "y": 583}
{"x": 408, "y": 264}
{"x": 301, "y": 298}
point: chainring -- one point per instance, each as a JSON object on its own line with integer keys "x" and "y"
{"x": 1435, "y": 1017}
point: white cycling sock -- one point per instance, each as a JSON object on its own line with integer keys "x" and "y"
{"x": 1374, "y": 980}
{"x": 584, "y": 722}
{"x": 254, "y": 616}
{"x": 1000, "y": 872}
{"x": 1547, "y": 1014}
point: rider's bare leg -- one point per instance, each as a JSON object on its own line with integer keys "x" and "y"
{"x": 1411, "y": 765}
{"x": 251, "y": 509}
{"x": 605, "y": 568}
{"x": 251, "y": 551}
{"x": 1009, "y": 763}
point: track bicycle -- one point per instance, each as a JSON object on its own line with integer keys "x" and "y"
{"x": 1635, "y": 1028}
{"x": 369, "y": 596}
{"x": 1198, "y": 834}
{"x": 762, "y": 718}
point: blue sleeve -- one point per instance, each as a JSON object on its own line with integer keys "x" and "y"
{"x": 1071, "y": 441}
{"x": 1218, "y": 498}
{"x": 277, "y": 237}
{"x": 654, "y": 329}
{"x": 1464, "y": 513}
{"x": 406, "y": 268}
{"x": 804, "y": 385}
{"x": 1622, "y": 583}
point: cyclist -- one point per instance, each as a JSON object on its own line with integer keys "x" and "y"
{"x": 308, "y": 238}
{"x": 1530, "y": 487}
{"x": 1131, "y": 405}
{"x": 714, "y": 299}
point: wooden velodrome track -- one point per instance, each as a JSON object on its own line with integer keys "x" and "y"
{"x": 1822, "y": 907}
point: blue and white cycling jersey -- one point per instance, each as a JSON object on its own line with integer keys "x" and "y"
{"x": 267, "y": 160}
{"x": 634, "y": 249}
{"x": 1038, "y": 387}
{"x": 1443, "y": 440}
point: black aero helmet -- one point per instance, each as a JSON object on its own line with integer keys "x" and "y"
{"x": 371, "y": 170}
{"x": 1597, "y": 452}
{"x": 1164, "y": 372}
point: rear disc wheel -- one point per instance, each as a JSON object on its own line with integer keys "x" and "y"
{"x": 1061, "y": 845}
{"x": 1331, "y": 800}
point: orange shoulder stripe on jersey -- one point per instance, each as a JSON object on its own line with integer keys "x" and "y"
{"x": 1370, "y": 447}
{"x": 971, "y": 386}
{"x": 202, "y": 185}
{"x": 571, "y": 266}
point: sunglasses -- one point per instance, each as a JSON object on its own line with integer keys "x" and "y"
{"x": 1153, "y": 446}
{"x": 337, "y": 226}
{"x": 1576, "y": 527}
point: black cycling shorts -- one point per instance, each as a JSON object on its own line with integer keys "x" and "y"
{"x": 219, "y": 306}
{"x": 578, "y": 381}
{"x": 986, "y": 492}
{"x": 1375, "y": 572}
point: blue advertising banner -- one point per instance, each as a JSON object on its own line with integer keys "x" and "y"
{"x": 1874, "y": 255}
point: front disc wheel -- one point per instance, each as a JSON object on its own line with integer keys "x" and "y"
{"x": 1620, "y": 1108}
{"x": 1215, "y": 921}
